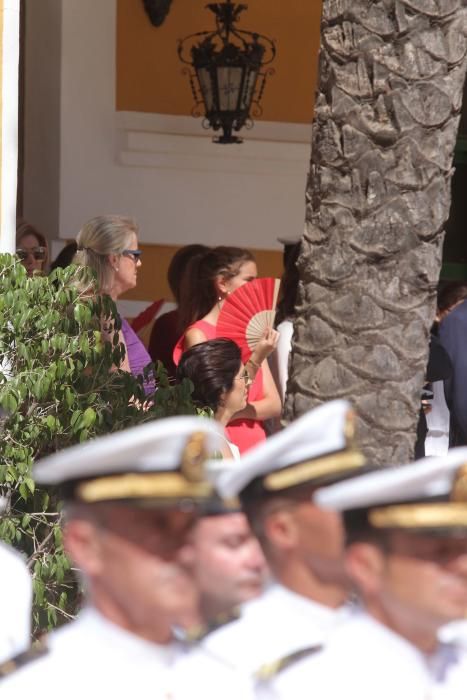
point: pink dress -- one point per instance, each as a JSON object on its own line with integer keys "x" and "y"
{"x": 246, "y": 432}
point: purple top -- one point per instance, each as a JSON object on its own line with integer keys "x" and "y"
{"x": 138, "y": 356}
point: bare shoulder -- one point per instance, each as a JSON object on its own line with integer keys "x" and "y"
{"x": 194, "y": 336}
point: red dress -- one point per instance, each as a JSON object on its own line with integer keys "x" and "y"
{"x": 245, "y": 432}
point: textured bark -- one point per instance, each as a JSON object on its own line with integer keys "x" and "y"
{"x": 378, "y": 196}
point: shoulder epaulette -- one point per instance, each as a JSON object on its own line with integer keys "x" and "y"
{"x": 199, "y": 632}
{"x": 268, "y": 671}
{"x": 35, "y": 651}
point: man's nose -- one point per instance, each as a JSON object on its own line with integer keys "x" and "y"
{"x": 459, "y": 564}
{"x": 256, "y": 558}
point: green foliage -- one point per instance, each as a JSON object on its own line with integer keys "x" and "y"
{"x": 59, "y": 386}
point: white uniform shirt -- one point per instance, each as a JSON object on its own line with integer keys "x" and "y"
{"x": 271, "y": 628}
{"x": 455, "y": 634}
{"x": 16, "y": 599}
{"x": 359, "y": 658}
{"x": 93, "y": 658}
{"x": 366, "y": 660}
{"x": 437, "y": 421}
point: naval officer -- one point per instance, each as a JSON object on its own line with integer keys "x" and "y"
{"x": 406, "y": 532}
{"x": 303, "y": 545}
{"x": 131, "y": 501}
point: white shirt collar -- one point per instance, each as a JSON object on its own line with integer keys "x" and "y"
{"x": 323, "y": 615}
{"x": 120, "y": 641}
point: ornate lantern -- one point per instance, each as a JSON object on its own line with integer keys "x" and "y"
{"x": 226, "y": 72}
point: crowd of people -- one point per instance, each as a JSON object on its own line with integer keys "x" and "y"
{"x": 200, "y": 278}
{"x": 233, "y": 557}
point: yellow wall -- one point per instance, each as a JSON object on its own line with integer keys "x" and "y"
{"x": 149, "y": 73}
{"x": 152, "y": 277}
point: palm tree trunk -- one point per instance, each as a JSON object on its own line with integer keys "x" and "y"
{"x": 378, "y": 196}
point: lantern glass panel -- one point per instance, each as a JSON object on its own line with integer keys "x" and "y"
{"x": 205, "y": 83}
{"x": 249, "y": 88}
{"x": 229, "y": 80}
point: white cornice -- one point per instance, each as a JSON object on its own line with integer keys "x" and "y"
{"x": 179, "y": 142}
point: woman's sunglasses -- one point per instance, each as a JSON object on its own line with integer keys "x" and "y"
{"x": 135, "y": 254}
{"x": 246, "y": 378}
{"x": 38, "y": 253}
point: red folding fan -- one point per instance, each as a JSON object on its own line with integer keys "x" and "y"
{"x": 247, "y": 312}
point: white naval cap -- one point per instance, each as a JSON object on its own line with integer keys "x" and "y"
{"x": 160, "y": 460}
{"x": 316, "y": 448}
{"x": 430, "y": 493}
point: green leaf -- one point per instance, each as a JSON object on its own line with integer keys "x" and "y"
{"x": 30, "y": 484}
{"x": 57, "y": 537}
{"x": 39, "y": 591}
{"x": 75, "y": 418}
{"x": 50, "y": 422}
{"x": 9, "y": 403}
{"x": 89, "y": 418}
{"x": 69, "y": 397}
{"x": 45, "y": 500}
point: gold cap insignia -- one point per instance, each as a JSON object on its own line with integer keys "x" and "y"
{"x": 193, "y": 458}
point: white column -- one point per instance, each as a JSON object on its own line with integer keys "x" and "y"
{"x": 9, "y": 124}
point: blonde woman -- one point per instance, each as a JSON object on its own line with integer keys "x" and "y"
{"x": 108, "y": 245}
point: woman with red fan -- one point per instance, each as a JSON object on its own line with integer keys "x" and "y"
{"x": 209, "y": 280}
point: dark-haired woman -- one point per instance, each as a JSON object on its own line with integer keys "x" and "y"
{"x": 220, "y": 381}
{"x": 209, "y": 279}
{"x": 165, "y": 331}
{"x": 31, "y": 248}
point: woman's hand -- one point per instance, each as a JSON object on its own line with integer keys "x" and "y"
{"x": 263, "y": 349}
{"x": 269, "y": 406}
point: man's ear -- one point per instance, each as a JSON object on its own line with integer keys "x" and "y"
{"x": 83, "y": 543}
{"x": 186, "y": 556}
{"x": 281, "y": 530}
{"x": 365, "y": 565}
